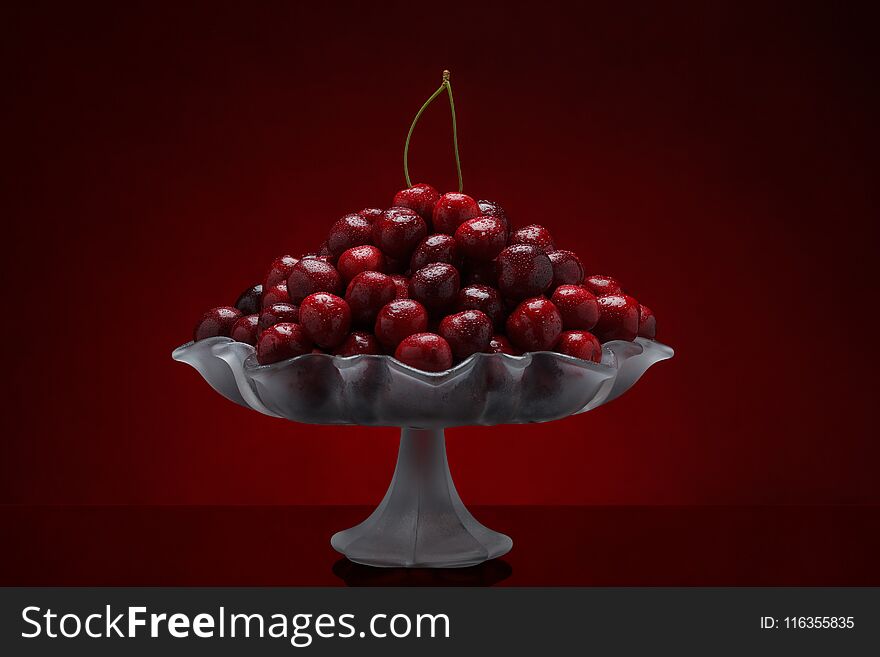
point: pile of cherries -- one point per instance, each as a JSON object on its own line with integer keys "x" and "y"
{"x": 431, "y": 280}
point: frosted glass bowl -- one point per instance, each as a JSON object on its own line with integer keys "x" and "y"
{"x": 421, "y": 522}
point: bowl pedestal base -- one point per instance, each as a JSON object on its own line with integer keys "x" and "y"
{"x": 421, "y": 522}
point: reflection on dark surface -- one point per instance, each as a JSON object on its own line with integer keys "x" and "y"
{"x": 487, "y": 573}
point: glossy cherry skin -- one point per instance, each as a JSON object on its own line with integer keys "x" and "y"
{"x": 524, "y": 270}
{"x": 277, "y": 313}
{"x": 349, "y": 231}
{"x": 425, "y": 351}
{"x": 398, "y": 231}
{"x": 216, "y": 322}
{"x": 602, "y": 285}
{"x": 401, "y": 286}
{"x": 577, "y": 306}
{"x": 647, "y": 322}
{"x": 279, "y": 271}
{"x": 311, "y": 275}
{"x": 435, "y": 248}
{"x": 398, "y": 319}
{"x": 435, "y": 286}
{"x": 534, "y": 234}
{"x": 567, "y": 268}
{"x": 275, "y": 294}
{"x": 483, "y": 298}
{"x": 499, "y": 344}
{"x": 580, "y": 344}
{"x": 358, "y": 342}
{"x": 281, "y": 342}
{"x": 467, "y": 332}
{"x": 535, "y": 325}
{"x": 251, "y": 300}
{"x": 618, "y": 318}
{"x": 452, "y": 210}
{"x": 371, "y": 214}
{"x": 420, "y": 197}
{"x": 493, "y": 209}
{"x": 325, "y": 318}
{"x": 366, "y": 294}
{"x": 481, "y": 238}
{"x": 358, "y": 259}
{"x": 246, "y": 329}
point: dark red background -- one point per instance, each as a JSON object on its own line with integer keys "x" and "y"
{"x": 717, "y": 159}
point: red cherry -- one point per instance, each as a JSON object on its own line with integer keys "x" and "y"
{"x": 482, "y": 298}
{"x": 451, "y": 210}
{"x": 481, "y": 238}
{"x": 401, "y": 286}
{"x": 534, "y": 234}
{"x": 647, "y": 322}
{"x": 425, "y": 351}
{"x": 435, "y": 248}
{"x": 371, "y": 214}
{"x": 216, "y": 322}
{"x": 420, "y": 197}
{"x": 577, "y": 306}
{"x": 366, "y": 294}
{"x": 435, "y": 286}
{"x": 279, "y": 270}
{"x": 275, "y": 294}
{"x": 618, "y": 318}
{"x": 246, "y": 329}
{"x": 395, "y": 266}
{"x": 311, "y": 275}
{"x": 567, "y": 268}
{"x": 357, "y": 343}
{"x": 250, "y": 301}
{"x": 580, "y": 344}
{"x": 493, "y": 209}
{"x": 499, "y": 344}
{"x": 524, "y": 271}
{"x": 482, "y": 273}
{"x": 467, "y": 332}
{"x": 358, "y": 259}
{"x": 351, "y": 230}
{"x": 398, "y": 231}
{"x": 325, "y": 318}
{"x": 317, "y": 256}
{"x": 535, "y": 325}
{"x": 602, "y": 285}
{"x": 398, "y": 319}
{"x": 325, "y": 253}
{"x": 277, "y": 313}
{"x": 281, "y": 342}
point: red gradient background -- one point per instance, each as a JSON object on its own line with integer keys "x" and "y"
{"x": 718, "y": 159}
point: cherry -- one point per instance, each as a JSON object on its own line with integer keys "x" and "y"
{"x": 467, "y": 332}
{"x": 493, "y": 209}
{"x": 311, "y": 275}
{"x": 279, "y": 270}
{"x": 281, "y": 342}
{"x": 250, "y": 301}
{"x": 567, "y": 268}
{"x": 366, "y": 294}
{"x": 318, "y": 256}
{"x": 451, "y": 210}
{"x": 275, "y": 294}
{"x": 435, "y": 286}
{"x": 395, "y": 266}
{"x": 325, "y": 254}
{"x": 358, "y": 259}
{"x": 485, "y": 273}
{"x": 577, "y": 306}
{"x": 419, "y": 197}
{"x": 325, "y": 318}
{"x": 482, "y": 298}
{"x": 398, "y": 319}
{"x": 435, "y": 248}
{"x": 246, "y": 329}
{"x": 358, "y": 342}
{"x": 398, "y": 231}
{"x": 371, "y": 214}
{"x": 618, "y": 318}
{"x": 602, "y": 285}
{"x": 277, "y": 313}
{"x": 351, "y": 230}
{"x": 425, "y": 351}
{"x": 524, "y": 270}
{"x": 499, "y": 344}
{"x": 216, "y": 322}
{"x": 481, "y": 238}
{"x": 401, "y": 286}
{"x": 536, "y": 235}
{"x": 580, "y": 344}
{"x": 535, "y": 325}
{"x": 647, "y": 322}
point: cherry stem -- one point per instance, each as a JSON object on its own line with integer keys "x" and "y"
{"x": 447, "y": 85}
